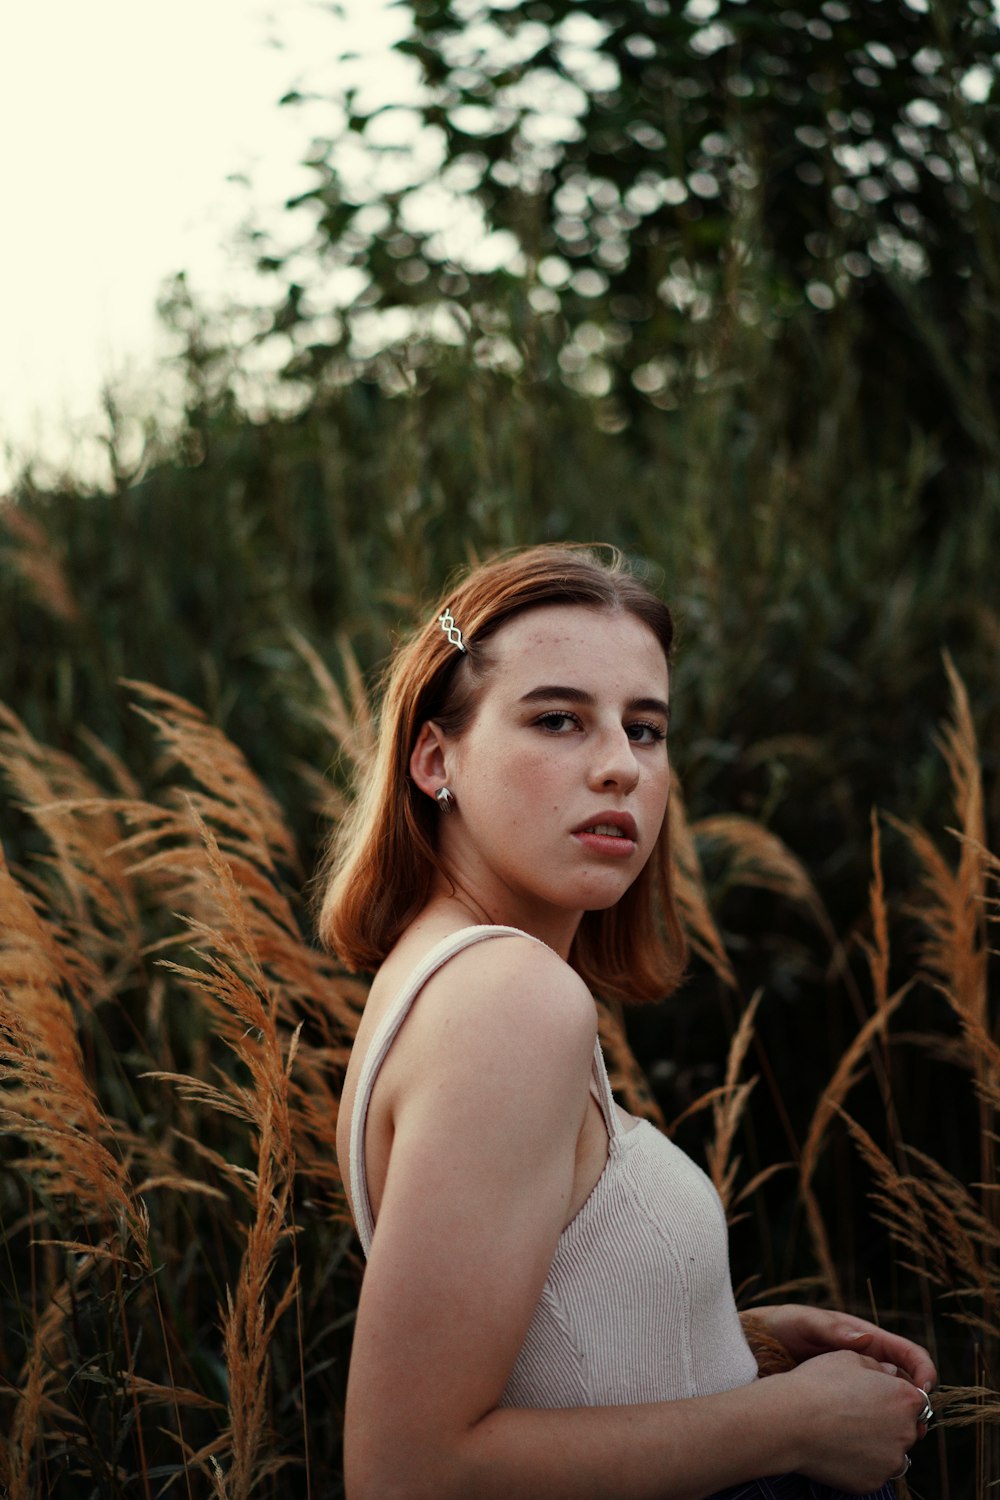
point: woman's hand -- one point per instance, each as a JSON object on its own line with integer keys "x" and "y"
{"x": 859, "y": 1420}
{"x": 810, "y": 1331}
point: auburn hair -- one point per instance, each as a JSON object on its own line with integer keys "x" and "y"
{"x": 383, "y": 859}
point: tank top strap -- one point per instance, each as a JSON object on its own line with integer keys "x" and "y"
{"x": 600, "y": 1087}
{"x": 378, "y": 1048}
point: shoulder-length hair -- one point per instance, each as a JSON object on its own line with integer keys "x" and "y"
{"x": 383, "y": 857}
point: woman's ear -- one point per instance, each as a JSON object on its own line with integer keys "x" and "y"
{"x": 427, "y": 763}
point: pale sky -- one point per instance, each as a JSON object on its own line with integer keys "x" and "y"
{"x": 120, "y": 122}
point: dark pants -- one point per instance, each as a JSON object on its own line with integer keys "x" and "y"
{"x": 796, "y": 1487}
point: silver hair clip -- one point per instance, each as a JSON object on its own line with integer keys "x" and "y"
{"x": 451, "y": 630}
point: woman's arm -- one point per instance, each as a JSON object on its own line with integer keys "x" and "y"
{"x": 845, "y": 1423}
{"x": 495, "y": 1064}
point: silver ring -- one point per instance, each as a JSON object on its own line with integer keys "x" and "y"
{"x": 904, "y": 1469}
{"x": 927, "y": 1412}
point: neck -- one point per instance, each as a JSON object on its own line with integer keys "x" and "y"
{"x": 554, "y": 927}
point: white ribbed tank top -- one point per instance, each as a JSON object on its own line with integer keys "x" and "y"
{"x": 638, "y": 1304}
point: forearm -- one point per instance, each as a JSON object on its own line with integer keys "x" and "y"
{"x": 678, "y": 1450}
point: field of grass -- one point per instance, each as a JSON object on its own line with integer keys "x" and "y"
{"x": 178, "y": 1274}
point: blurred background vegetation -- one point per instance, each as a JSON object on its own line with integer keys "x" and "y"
{"x": 718, "y": 283}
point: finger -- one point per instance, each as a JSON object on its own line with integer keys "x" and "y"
{"x": 921, "y": 1370}
{"x": 883, "y": 1367}
{"x": 914, "y": 1361}
{"x": 918, "y": 1365}
{"x": 904, "y": 1466}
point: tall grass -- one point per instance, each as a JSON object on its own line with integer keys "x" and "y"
{"x": 164, "y": 1119}
{"x": 179, "y": 1275}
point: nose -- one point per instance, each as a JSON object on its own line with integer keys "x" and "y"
{"x": 614, "y": 763}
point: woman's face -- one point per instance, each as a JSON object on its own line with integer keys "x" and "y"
{"x": 561, "y": 779}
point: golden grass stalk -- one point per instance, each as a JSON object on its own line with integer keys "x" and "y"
{"x": 48, "y": 1101}
{"x": 34, "y": 556}
{"x": 86, "y": 884}
{"x": 227, "y": 793}
{"x": 758, "y": 858}
{"x": 948, "y": 1240}
{"x": 250, "y": 837}
{"x": 235, "y": 987}
{"x": 770, "y": 1353}
{"x": 72, "y": 1153}
{"x": 217, "y": 857}
{"x": 966, "y": 1406}
{"x": 953, "y": 909}
{"x": 46, "y": 1368}
{"x": 728, "y": 1103}
{"x": 848, "y": 1071}
{"x": 220, "y": 855}
{"x": 954, "y": 904}
{"x": 689, "y": 891}
{"x": 349, "y": 721}
{"x": 937, "y": 1221}
{"x": 876, "y": 949}
{"x": 626, "y": 1077}
{"x": 240, "y": 914}
{"x": 25, "y": 1428}
{"x": 247, "y": 1331}
{"x": 850, "y": 1067}
{"x": 729, "y": 1106}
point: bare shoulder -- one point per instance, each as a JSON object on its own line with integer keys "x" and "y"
{"x": 507, "y": 1007}
{"x": 512, "y": 981}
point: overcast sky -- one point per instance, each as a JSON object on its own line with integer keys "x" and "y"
{"x": 121, "y": 121}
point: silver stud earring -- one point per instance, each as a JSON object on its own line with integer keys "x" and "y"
{"x": 445, "y": 799}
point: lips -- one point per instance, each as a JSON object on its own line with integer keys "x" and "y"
{"x": 610, "y": 825}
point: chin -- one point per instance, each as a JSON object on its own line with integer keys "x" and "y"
{"x": 599, "y": 900}
{"x": 602, "y": 905}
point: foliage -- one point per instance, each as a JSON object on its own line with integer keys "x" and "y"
{"x": 634, "y": 166}
{"x": 814, "y": 592}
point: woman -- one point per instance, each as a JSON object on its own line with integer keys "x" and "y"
{"x": 546, "y": 1310}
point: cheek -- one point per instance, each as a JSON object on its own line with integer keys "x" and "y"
{"x": 520, "y": 787}
{"x": 532, "y": 781}
{"x": 658, "y": 788}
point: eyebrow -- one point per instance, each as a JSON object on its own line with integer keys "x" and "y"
{"x": 580, "y": 695}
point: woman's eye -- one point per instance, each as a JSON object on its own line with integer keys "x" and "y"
{"x": 557, "y": 722}
{"x": 646, "y": 734}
